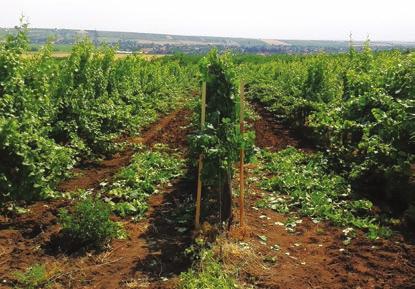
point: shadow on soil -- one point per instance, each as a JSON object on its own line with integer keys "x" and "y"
{"x": 169, "y": 233}
{"x": 274, "y": 135}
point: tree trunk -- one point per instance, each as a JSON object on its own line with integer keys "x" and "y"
{"x": 227, "y": 198}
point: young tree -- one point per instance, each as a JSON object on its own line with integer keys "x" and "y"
{"x": 219, "y": 141}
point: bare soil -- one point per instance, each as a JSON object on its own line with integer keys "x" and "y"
{"x": 314, "y": 255}
{"x": 274, "y": 136}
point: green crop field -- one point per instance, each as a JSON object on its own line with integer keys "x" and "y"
{"x": 102, "y": 155}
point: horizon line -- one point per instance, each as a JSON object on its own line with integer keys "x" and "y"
{"x": 213, "y": 36}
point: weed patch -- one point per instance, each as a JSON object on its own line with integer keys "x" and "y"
{"x": 303, "y": 183}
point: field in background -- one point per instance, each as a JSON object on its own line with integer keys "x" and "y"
{"x": 149, "y": 43}
{"x": 64, "y": 54}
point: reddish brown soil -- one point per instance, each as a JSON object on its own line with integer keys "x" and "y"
{"x": 314, "y": 256}
{"x": 151, "y": 257}
{"x": 174, "y": 133}
{"x": 273, "y": 135}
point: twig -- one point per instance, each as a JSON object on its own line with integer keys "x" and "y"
{"x": 79, "y": 269}
{"x": 3, "y": 252}
{"x": 4, "y": 262}
{"x": 107, "y": 254}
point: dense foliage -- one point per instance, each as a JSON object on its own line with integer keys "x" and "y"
{"x": 54, "y": 113}
{"x": 219, "y": 141}
{"x": 357, "y": 107}
{"x": 89, "y": 224}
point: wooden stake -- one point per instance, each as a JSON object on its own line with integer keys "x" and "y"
{"x": 200, "y": 162}
{"x": 241, "y": 158}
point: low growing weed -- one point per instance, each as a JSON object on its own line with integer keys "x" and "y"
{"x": 208, "y": 273}
{"x": 133, "y": 185}
{"x": 36, "y": 276}
{"x": 302, "y": 182}
{"x": 89, "y": 224}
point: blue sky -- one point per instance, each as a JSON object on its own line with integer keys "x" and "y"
{"x": 288, "y": 19}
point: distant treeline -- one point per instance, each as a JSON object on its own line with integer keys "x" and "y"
{"x": 148, "y": 43}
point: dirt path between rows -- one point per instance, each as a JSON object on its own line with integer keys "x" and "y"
{"x": 151, "y": 257}
{"x": 274, "y": 136}
{"x": 314, "y": 255}
{"x": 90, "y": 177}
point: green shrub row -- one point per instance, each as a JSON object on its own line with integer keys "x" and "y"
{"x": 56, "y": 112}
{"x": 357, "y": 107}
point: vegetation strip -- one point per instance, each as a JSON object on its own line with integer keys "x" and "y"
{"x": 302, "y": 182}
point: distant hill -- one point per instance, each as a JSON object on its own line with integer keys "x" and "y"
{"x": 164, "y": 43}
